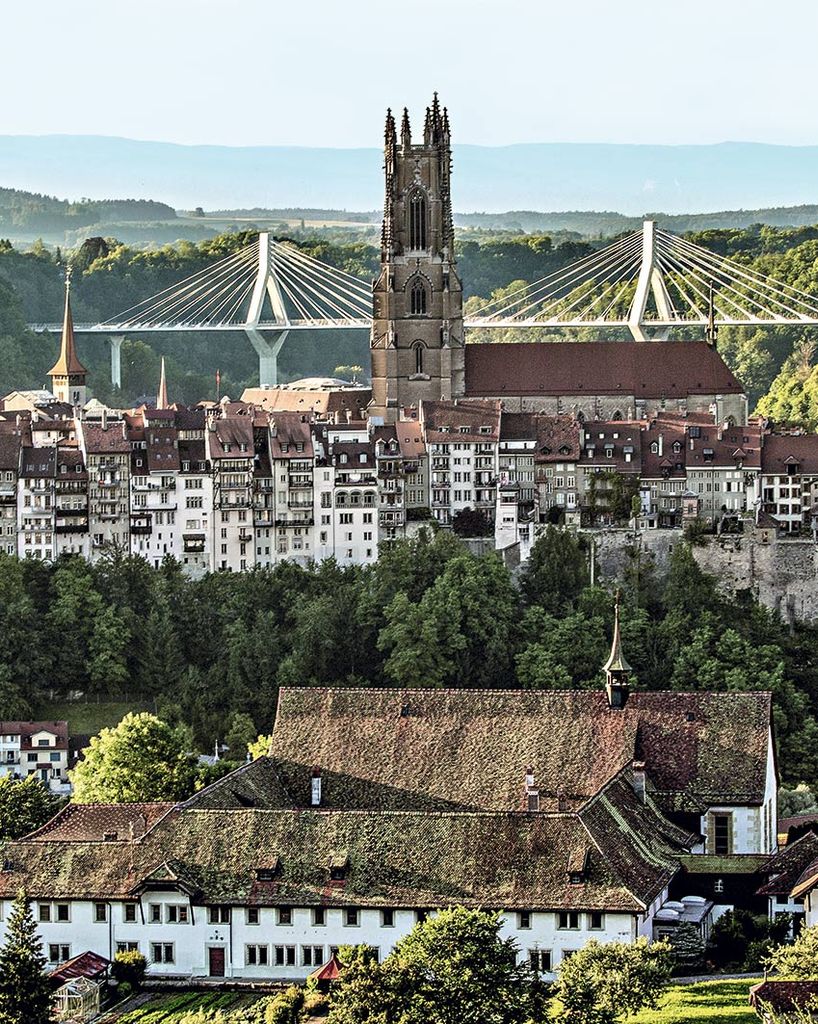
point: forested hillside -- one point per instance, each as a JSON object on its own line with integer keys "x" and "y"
{"x": 777, "y": 365}
{"x": 27, "y": 211}
{"x": 426, "y": 614}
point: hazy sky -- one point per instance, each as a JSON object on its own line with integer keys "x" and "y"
{"x": 321, "y": 72}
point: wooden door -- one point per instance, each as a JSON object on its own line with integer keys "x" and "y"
{"x": 216, "y": 961}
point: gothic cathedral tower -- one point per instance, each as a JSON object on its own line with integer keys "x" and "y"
{"x": 417, "y": 318}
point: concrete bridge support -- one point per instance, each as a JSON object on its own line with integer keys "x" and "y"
{"x": 116, "y": 359}
{"x": 267, "y": 350}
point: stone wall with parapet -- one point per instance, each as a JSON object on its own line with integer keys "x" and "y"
{"x": 782, "y": 574}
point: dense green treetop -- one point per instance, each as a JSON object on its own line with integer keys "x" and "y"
{"x": 25, "y": 804}
{"x": 140, "y": 760}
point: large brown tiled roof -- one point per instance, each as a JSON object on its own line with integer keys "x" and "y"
{"x": 438, "y": 749}
{"x": 399, "y": 859}
{"x": 87, "y": 823}
{"x": 641, "y": 369}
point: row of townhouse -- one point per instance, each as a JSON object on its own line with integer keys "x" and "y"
{"x": 233, "y": 486}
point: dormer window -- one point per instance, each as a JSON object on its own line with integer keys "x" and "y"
{"x": 654, "y": 448}
{"x": 338, "y": 867}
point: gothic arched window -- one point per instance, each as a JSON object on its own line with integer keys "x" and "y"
{"x": 418, "y": 348}
{"x": 417, "y": 220}
{"x": 617, "y": 415}
{"x": 417, "y": 298}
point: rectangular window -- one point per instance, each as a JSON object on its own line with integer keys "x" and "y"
{"x": 351, "y": 917}
{"x": 100, "y": 912}
{"x": 319, "y": 916}
{"x": 177, "y": 914}
{"x": 127, "y": 947}
{"x": 388, "y": 918}
{"x": 252, "y": 915}
{"x": 162, "y": 953}
{"x": 540, "y": 960}
{"x": 568, "y": 919}
{"x": 596, "y": 921}
{"x": 256, "y": 956}
{"x": 524, "y": 919}
{"x": 285, "y": 915}
{"x": 63, "y": 912}
{"x": 722, "y": 834}
{"x": 285, "y": 956}
{"x": 218, "y": 915}
{"x": 312, "y": 956}
{"x": 58, "y": 953}
{"x": 155, "y": 913}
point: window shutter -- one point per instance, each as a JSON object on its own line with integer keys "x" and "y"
{"x": 711, "y": 833}
{"x": 729, "y": 833}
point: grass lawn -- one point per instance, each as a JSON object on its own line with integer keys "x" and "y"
{"x": 716, "y": 1002}
{"x": 87, "y": 718}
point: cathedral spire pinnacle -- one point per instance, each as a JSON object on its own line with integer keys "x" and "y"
{"x": 68, "y": 363}
{"x": 389, "y": 137}
{"x": 162, "y": 396}
{"x": 405, "y": 130}
{"x": 616, "y": 668}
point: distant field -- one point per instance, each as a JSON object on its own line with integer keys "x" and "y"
{"x": 87, "y": 718}
{"x": 713, "y": 1002}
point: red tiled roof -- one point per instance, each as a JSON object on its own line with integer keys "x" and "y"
{"x": 639, "y": 369}
{"x": 557, "y": 439}
{"x": 99, "y": 440}
{"x": 461, "y": 420}
{"x": 88, "y": 823}
{"x": 25, "y": 730}
{"x": 778, "y": 449}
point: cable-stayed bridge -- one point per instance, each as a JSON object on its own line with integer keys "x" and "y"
{"x": 648, "y": 282}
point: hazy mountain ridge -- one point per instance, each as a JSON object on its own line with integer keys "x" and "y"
{"x": 529, "y": 176}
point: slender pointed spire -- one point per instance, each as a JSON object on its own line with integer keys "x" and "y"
{"x": 162, "y": 396}
{"x": 616, "y": 660}
{"x": 405, "y": 130}
{"x": 68, "y": 363}
{"x": 427, "y": 127}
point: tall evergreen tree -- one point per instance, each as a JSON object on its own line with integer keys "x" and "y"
{"x": 25, "y": 991}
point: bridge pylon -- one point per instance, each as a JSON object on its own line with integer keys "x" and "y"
{"x": 267, "y": 284}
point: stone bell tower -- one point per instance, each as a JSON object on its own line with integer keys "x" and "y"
{"x": 417, "y": 318}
